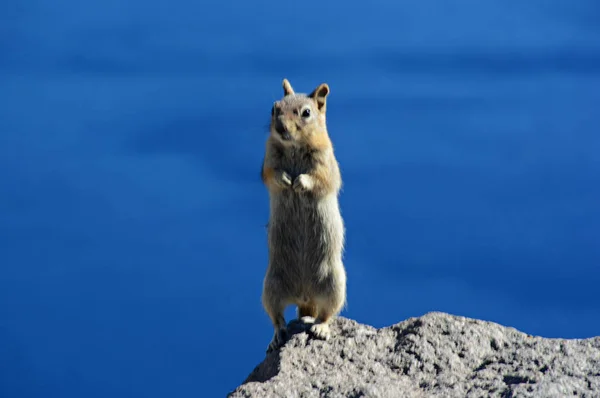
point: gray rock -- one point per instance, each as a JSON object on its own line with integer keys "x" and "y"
{"x": 436, "y": 355}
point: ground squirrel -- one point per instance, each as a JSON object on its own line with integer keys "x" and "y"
{"x": 305, "y": 231}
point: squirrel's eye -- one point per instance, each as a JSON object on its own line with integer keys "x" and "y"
{"x": 306, "y": 113}
{"x": 273, "y": 110}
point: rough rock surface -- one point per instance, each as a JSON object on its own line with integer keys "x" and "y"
{"x": 436, "y": 355}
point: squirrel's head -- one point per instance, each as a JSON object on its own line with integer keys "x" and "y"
{"x": 296, "y": 118}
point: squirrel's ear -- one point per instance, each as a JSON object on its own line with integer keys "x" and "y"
{"x": 320, "y": 96}
{"x": 287, "y": 88}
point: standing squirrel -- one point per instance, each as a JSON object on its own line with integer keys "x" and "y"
{"x": 306, "y": 231}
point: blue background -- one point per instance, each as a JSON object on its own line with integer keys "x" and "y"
{"x": 132, "y": 217}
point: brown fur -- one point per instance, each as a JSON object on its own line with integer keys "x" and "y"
{"x": 309, "y": 309}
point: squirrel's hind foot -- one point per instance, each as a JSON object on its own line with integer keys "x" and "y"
{"x": 321, "y": 331}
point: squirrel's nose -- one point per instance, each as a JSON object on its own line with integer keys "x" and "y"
{"x": 279, "y": 127}
{"x": 282, "y": 131}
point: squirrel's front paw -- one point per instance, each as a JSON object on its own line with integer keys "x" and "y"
{"x": 286, "y": 180}
{"x": 303, "y": 183}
